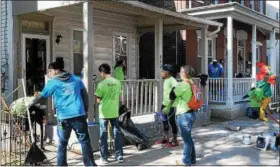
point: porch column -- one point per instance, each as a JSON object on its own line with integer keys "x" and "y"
{"x": 88, "y": 53}
{"x": 254, "y": 51}
{"x": 204, "y": 57}
{"x": 158, "y": 60}
{"x": 273, "y": 60}
{"x": 229, "y": 62}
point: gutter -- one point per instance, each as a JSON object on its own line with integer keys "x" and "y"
{"x": 215, "y": 32}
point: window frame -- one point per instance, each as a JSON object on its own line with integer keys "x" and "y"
{"x": 252, "y": 4}
{"x": 72, "y": 29}
{"x": 128, "y": 51}
{"x": 261, "y": 6}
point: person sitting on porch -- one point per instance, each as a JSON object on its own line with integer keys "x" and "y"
{"x": 120, "y": 70}
{"x": 71, "y": 103}
{"x": 256, "y": 96}
{"x": 169, "y": 83}
{"x": 215, "y": 70}
{"x": 108, "y": 96}
{"x": 180, "y": 97}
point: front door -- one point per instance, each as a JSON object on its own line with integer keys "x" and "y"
{"x": 35, "y": 59}
{"x": 241, "y": 66}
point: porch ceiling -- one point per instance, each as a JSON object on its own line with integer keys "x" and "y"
{"x": 238, "y": 12}
{"x": 147, "y": 15}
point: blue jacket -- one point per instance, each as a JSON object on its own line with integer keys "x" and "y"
{"x": 69, "y": 93}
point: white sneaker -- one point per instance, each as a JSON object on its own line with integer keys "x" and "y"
{"x": 104, "y": 161}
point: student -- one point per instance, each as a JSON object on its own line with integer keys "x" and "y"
{"x": 256, "y": 97}
{"x": 108, "y": 96}
{"x": 119, "y": 70}
{"x": 71, "y": 103}
{"x": 185, "y": 117}
{"x": 169, "y": 83}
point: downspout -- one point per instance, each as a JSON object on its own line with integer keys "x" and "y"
{"x": 215, "y": 32}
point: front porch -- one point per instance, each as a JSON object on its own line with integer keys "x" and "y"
{"x": 241, "y": 43}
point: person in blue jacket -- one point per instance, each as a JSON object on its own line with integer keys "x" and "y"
{"x": 71, "y": 103}
{"x": 215, "y": 69}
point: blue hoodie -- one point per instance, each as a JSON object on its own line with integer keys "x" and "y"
{"x": 69, "y": 93}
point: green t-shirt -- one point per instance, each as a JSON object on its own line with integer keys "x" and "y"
{"x": 109, "y": 91}
{"x": 119, "y": 74}
{"x": 256, "y": 96}
{"x": 183, "y": 92}
{"x": 167, "y": 87}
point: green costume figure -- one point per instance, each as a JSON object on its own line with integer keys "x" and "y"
{"x": 256, "y": 96}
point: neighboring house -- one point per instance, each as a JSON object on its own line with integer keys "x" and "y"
{"x": 241, "y": 43}
{"x": 272, "y": 11}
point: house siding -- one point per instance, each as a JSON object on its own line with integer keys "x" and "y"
{"x": 105, "y": 24}
{"x": 4, "y": 47}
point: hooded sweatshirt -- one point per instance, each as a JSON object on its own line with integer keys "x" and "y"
{"x": 69, "y": 93}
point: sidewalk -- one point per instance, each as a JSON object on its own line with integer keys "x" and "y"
{"x": 214, "y": 146}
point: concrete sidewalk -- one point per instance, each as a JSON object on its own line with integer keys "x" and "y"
{"x": 214, "y": 145}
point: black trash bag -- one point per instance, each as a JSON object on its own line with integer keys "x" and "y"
{"x": 130, "y": 132}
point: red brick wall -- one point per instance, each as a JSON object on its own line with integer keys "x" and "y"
{"x": 247, "y": 3}
{"x": 223, "y": 1}
{"x": 191, "y": 48}
{"x": 257, "y": 6}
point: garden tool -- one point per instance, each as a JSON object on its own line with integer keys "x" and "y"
{"x": 35, "y": 156}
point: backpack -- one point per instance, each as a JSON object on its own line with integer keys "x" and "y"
{"x": 196, "y": 101}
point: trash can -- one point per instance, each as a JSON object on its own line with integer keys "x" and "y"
{"x": 93, "y": 129}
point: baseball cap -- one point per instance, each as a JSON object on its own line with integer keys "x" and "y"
{"x": 167, "y": 67}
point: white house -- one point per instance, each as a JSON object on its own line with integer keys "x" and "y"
{"x": 272, "y": 10}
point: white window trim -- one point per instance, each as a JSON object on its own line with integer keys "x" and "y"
{"x": 252, "y": 3}
{"x": 72, "y": 29}
{"x": 129, "y": 51}
{"x": 261, "y": 6}
{"x": 213, "y": 39}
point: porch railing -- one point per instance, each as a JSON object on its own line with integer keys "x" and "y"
{"x": 275, "y": 100}
{"x": 141, "y": 96}
{"x": 217, "y": 90}
{"x": 241, "y": 87}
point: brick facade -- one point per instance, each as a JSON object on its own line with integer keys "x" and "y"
{"x": 192, "y": 50}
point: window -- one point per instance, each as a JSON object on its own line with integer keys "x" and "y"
{"x": 242, "y": 2}
{"x": 252, "y": 4}
{"x": 211, "y": 52}
{"x": 214, "y": 2}
{"x": 261, "y": 6}
{"x": 121, "y": 49}
{"x": 78, "y": 58}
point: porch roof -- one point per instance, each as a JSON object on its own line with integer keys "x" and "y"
{"x": 147, "y": 14}
{"x": 238, "y": 12}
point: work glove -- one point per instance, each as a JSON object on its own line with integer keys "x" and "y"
{"x": 166, "y": 109}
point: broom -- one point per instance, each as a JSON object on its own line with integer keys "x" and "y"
{"x": 35, "y": 156}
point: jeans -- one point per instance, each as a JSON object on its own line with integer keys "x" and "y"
{"x": 80, "y": 126}
{"x": 171, "y": 121}
{"x": 104, "y": 137}
{"x": 185, "y": 122}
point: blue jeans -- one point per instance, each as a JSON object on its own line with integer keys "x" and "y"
{"x": 80, "y": 126}
{"x": 185, "y": 122}
{"x": 104, "y": 137}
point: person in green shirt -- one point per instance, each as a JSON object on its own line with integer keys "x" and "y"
{"x": 108, "y": 96}
{"x": 256, "y": 96}
{"x": 185, "y": 117}
{"x": 119, "y": 70}
{"x": 169, "y": 83}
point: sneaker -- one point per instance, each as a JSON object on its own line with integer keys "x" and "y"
{"x": 162, "y": 141}
{"x": 120, "y": 160}
{"x": 180, "y": 163}
{"x": 173, "y": 143}
{"x": 104, "y": 161}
